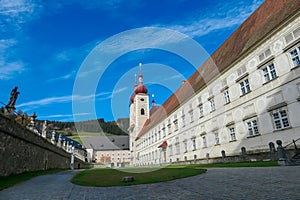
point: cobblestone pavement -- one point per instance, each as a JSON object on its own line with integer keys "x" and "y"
{"x": 217, "y": 183}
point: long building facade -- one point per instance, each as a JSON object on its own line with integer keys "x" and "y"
{"x": 240, "y": 101}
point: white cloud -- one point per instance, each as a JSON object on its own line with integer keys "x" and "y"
{"x": 5, "y": 44}
{"x": 225, "y": 18}
{"x": 178, "y": 76}
{"x": 16, "y": 12}
{"x": 47, "y": 101}
{"x": 69, "y": 98}
{"x": 8, "y": 68}
{"x": 119, "y": 90}
{"x": 13, "y": 14}
{"x": 146, "y": 37}
{"x": 64, "y": 115}
{"x": 64, "y": 77}
{"x": 74, "y": 53}
{"x": 90, "y": 4}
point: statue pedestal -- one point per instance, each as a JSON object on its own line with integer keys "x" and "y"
{"x": 9, "y": 111}
{"x": 282, "y": 162}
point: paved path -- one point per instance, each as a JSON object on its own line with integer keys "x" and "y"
{"x": 218, "y": 183}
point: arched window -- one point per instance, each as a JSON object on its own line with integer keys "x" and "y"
{"x": 142, "y": 111}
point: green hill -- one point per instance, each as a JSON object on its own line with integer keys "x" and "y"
{"x": 82, "y": 130}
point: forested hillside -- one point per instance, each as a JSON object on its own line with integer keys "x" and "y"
{"x": 98, "y": 125}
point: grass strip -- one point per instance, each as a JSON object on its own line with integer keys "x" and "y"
{"x": 8, "y": 181}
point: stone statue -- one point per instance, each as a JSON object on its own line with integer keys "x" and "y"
{"x": 67, "y": 147}
{"x": 53, "y": 137}
{"x": 44, "y": 130}
{"x": 13, "y": 98}
{"x": 281, "y": 153}
{"x": 64, "y": 144}
{"x": 59, "y": 141}
{"x": 31, "y": 125}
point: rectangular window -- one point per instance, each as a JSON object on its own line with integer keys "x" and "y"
{"x": 159, "y": 135}
{"x": 265, "y": 55}
{"x": 171, "y": 150}
{"x": 292, "y": 36}
{"x": 192, "y": 116}
{"x": 212, "y": 105}
{"x": 204, "y": 141}
{"x": 169, "y": 128}
{"x": 176, "y": 124}
{"x": 194, "y": 144}
{"x": 232, "y": 134}
{"x": 245, "y": 86}
{"x": 201, "y": 111}
{"x": 164, "y": 131}
{"x": 252, "y": 127}
{"x": 269, "y": 72}
{"x": 295, "y": 56}
{"x": 177, "y": 149}
{"x": 185, "y": 146}
{"x": 241, "y": 70}
{"x": 217, "y": 140}
{"x": 226, "y": 96}
{"x": 280, "y": 119}
{"x": 183, "y": 120}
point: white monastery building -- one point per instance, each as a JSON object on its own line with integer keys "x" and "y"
{"x": 239, "y": 102}
{"x": 110, "y": 151}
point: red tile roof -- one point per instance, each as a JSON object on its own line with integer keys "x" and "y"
{"x": 154, "y": 109}
{"x": 258, "y": 26}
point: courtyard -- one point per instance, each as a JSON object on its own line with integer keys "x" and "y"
{"x": 216, "y": 183}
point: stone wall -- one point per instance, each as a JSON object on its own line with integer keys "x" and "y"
{"x": 249, "y": 156}
{"x": 22, "y": 150}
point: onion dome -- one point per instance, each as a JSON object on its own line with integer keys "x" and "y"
{"x": 131, "y": 98}
{"x": 140, "y": 89}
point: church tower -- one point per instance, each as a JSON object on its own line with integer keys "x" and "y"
{"x": 139, "y": 111}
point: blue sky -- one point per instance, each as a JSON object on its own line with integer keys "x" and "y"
{"x": 44, "y": 44}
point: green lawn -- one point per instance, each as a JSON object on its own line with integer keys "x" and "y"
{"x": 12, "y": 180}
{"x": 113, "y": 177}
